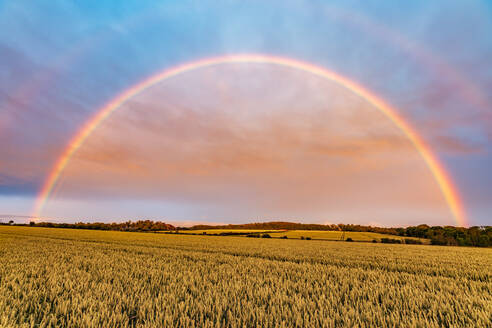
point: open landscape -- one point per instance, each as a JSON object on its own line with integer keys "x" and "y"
{"x": 245, "y": 164}
{"x": 66, "y": 277}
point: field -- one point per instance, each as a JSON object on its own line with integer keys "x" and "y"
{"x": 313, "y": 234}
{"x": 337, "y": 235}
{"x": 82, "y": 278}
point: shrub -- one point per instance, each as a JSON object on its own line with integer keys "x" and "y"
{"x": 266, "y": 236}
{"x": 439, "y": 240}
{"x": 284, "y": 237}
{"x": 374, "y": 241}
{"x": 308, "y": 238}
{"x": 413, "y": 241}
{"x": 349, "y": 239}
{"x": 390, "y": 241}
{"x": 302, "y": 237}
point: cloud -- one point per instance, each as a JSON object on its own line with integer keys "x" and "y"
{"x": 198, "y": 144}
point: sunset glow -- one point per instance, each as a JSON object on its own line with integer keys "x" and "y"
{"x": 449, "y": 192}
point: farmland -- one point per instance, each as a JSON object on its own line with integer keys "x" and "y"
{"x": 62, "y": 277}
{"x": 336, "y": 235}
{"x": 312, "y": 234}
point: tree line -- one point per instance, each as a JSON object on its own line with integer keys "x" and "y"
{"x": 451, "y": 236}
{"x": 141, "y": 225}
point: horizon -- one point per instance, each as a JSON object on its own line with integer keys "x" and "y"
{"x": 26, "y": 219}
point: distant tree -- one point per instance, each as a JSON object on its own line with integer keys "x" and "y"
{"x": 266, "y": 236}
{"x": 11, "y": 222}
{"x": 461, "y": 241}
{"x": 308, "y": 238}
{"x": 374, "y": 241}
{"x": 483, "y": 241}
{"x": 349, "y": 239}
{"x": 32, "y": 223}
{"x": 438, "y": 240}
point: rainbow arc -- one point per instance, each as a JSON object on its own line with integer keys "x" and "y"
{"x": 443, "y": 180}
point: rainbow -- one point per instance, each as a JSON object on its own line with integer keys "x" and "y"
{"x": 444, "y": 182}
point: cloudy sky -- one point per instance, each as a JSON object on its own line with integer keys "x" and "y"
{"x": 246, "y": 142}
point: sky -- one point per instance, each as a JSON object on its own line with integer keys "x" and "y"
{"x": 246, "y": 142}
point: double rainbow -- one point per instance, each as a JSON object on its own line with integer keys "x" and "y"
{"x": 446, "y": 186}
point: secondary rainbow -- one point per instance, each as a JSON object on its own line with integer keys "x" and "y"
{"x": 446, "y": 186}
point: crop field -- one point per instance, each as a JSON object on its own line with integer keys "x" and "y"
{"x": 313, "y": 234}
{"x": 83, "y": 278}
{"x": 337, "y": 235}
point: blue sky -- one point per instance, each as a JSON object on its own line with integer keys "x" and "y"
{"x": 62, "y": 60}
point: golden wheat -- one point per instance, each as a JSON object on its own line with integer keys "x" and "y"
{"x": 80, "y": 278}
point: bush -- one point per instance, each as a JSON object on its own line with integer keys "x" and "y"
{"x": 390, "y": 241}
{"x": 266, "y": 236}
{"x": 349, "y": 239}
{"x": 308, "y": 238}
{"x": 413, "y": 241}
{"x": 283, "y": 237}
{"x": 374, "y": 241}
{"x": 302, "y": 237}
{"x": 438, "y": 240}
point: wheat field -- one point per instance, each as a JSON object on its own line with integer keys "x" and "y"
{"x": 337, "y": 235}
{"x": 82, "y": 278}
{"x": 313, "y": 234}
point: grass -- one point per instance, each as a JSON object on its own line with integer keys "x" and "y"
{"x": 82, "y": 278}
